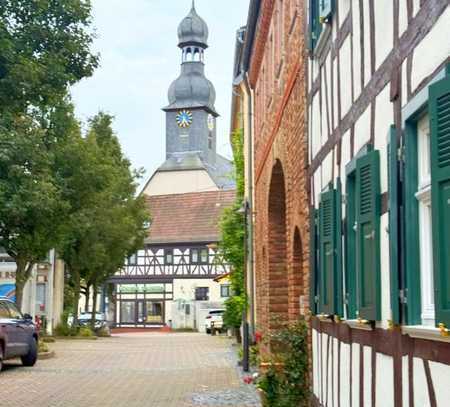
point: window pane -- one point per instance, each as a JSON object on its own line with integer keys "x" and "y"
{"x": 194, "y": 256}
{"x": 202, "y": 294}
{"x": 128, "y": 312}
{"x": 40, "y": 297}
{"x": 204, "y": 256}
{"x": 225, "y": 290}
{"x": 13, "y": 311}
{"x": 4, "y": 313}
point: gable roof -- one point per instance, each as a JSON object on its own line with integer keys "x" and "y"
{"x": 187, "y": 218}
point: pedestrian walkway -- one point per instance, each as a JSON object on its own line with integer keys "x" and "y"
{"x": 131, "y": 370}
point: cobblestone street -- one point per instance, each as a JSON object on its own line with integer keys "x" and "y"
{"x": 154, "y": 369}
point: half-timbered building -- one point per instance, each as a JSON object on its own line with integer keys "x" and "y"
{"x": 379, "y": 173}
{"x": 172, "y": 277}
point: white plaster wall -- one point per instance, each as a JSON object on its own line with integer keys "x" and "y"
{"x": 180, "y": 182}
{"x": 327, "y": 166}
{"x": 367, "y": 354}
{"x": 384, "y": 117}
{"x": 334, "y": 375}
{"x": 384, "y": 32}
{"x": 355, "y": 374}
{"x": 345, "y": 374}
{"x": 356, "y": 49}
{"x": 421, "y": 397}
{"x": 323, "y": 117}
{"x": 404, "y": 89}
{"x": 385, "y": 278}
{"x": 317, "y": 186}
{"x": 346, "y": 77}
{"x": 367, "y": 57}
{"x": 344, "y": 8}
{"x": 405, "y": 381}
{"x": 384, "y": 381}
{"x": 362, "y": 130}
{"x": 345, "y": 156}
{"x": 402, "y": 17}
{"x": 416, "y": 7}
{"x": 432, "y": 50}
{"x": 315, "y": 126}
{"x": 315, "y": 357}
{"x": 330, "y": 100}
{"x": 324, "y": 366}
{"x": 185, "y": 289}
{"x": 440, "y": 374}
{"x": 335, "y": 90}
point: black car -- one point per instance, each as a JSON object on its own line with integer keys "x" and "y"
{"x": 18, "y": 335}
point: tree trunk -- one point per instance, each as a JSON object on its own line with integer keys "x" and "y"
{"x": 76, "y": 295}
{"x": 237, "y": 333}
{"x": 23, "y": 272}
{"x": 86, "y": 294}
{"x": 94, "y": 306}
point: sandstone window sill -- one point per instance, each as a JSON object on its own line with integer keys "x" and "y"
{"x": 425, "y": 332}
{"x": 355, "y": 324}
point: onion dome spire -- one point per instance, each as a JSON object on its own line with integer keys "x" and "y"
{"x": 193, "y": 30}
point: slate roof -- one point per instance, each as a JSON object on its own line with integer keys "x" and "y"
{"x": 187, "y": 218}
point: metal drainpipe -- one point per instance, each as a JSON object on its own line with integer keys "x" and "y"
{"x": 251, "y": 260}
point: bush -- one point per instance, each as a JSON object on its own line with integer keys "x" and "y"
{"x": 288, "y": 386}
{"x": 103, "y": 333}
{"x": 85, "y": 332}
{"x": 42, "y": 346}
{"x": 62, "y": 329}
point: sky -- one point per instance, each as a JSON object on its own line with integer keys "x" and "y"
{"x": 139, "y": 58}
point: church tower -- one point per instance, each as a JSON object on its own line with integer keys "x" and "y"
{"x": 191, "y": 115}
{"x": 192, "y": 163}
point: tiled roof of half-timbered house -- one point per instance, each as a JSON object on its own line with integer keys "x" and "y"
{"x": 185, "y": 218}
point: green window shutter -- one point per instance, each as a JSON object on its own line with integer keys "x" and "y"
{"x": 439, "y": 102}
{"x": 327, "y": 238}
{"x": 410, "y": 229}
{"x": 368, "y": 235}
{"x": 315, "y": 26}
{"x": 338, "y": 251}
{"x": 313, "y": 260}
{"x": 350, "y": 247}
{"x": 394, "y": 216}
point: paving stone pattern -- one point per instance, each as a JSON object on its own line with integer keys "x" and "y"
{"x": 131, "y": 370}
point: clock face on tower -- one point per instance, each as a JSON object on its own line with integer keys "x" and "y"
{"x": 184, "y": 118}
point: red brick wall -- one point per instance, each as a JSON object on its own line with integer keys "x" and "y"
{"x": 281, "y": 200}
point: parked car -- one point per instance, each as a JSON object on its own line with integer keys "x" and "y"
{"x": 214, "y": 318}
{"x": 84, "y": 319}
{"x": 18, "y": 334}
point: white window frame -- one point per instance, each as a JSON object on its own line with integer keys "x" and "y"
{"x": 423, "y": 195}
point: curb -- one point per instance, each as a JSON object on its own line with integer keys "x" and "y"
{"x": 76, "y": 338}
{"x": 46, "y": 355}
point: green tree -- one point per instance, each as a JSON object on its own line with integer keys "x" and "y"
{"x": 107, "y": 222}
{"x": 232, "y": 244}
{"x": 44, "y": 48}
{"x": 32, "y": 210}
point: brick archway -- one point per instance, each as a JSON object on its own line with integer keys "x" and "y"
{"x": 277, "y": 253}
{"x": 296, "y": 286}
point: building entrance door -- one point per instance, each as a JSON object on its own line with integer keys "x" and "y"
{"x": 155, "y": 312}
{"x": 140, "y": 317}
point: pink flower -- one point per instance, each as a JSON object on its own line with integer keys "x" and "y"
{"x": 248, "y": 379}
